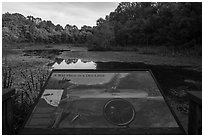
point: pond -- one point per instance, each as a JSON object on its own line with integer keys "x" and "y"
{"x": 73, "y": 64}
{"x": 168, "y": 76}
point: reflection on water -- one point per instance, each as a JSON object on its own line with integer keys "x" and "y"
{"x": 168, "y": 76}
{"x": 73, "y": 64}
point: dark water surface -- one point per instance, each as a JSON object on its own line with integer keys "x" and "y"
{"x": 168, "y": 76}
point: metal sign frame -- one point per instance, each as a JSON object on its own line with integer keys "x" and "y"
{"x": 141, "y": 131}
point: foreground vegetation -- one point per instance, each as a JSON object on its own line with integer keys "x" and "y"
{"x": 28, "y": 84}
{"x": 27, "y": 77}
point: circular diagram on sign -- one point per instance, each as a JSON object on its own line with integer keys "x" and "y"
{"x": 119, "y": 112}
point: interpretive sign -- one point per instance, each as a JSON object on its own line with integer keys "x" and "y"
{"x": 126, "y": 100}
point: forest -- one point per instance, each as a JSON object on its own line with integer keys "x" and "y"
{"x": 131, "y": 24}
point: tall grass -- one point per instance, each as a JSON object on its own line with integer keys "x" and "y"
{"x": 30, "y": 83}
{"x": 7, "y": 77}
{"x": 33, "y": 81}
{"x": 195, "y": 51}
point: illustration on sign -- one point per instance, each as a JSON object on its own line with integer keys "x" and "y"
{"x": 101, "y": 99}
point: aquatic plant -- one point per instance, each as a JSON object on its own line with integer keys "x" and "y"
{"x": 7, "y": 77}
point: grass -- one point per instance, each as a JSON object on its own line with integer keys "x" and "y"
{"x": 27, "y": 76}
{"x": 117, "y": 48}
{"x": 33, "y": 81}
{"x": 195, "y": 51}
{"x": 27, "y": 89}
{"x": 33, "y": 46}
{"x": 7, "y": 77}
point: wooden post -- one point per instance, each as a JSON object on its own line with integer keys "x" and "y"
{"x": 195, "y": 113}
{"x": 7, "y": 111}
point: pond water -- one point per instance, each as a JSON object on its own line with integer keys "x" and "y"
{"x": 168, "y": 76}
{"x": 179, "y": 78}
{"x": 73, "y": 64}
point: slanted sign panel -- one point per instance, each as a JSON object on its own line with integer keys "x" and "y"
{"x": 77, "y": 99}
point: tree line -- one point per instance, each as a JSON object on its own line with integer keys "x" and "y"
{"x": 17, "y": 28}
{"x": 151, "y": 24}
{"x": 172, "y": 24}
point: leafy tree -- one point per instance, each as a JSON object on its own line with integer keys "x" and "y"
{"x": 59, "y": 28}
{"x": 103, "y": 37}
{"x": 100, "y": 21}
{"x": 173, "y": 24}
{"x": 150, "y": 23}
{"x": 18, "y": 28}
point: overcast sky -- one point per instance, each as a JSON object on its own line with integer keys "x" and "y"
{"x": 73, "y": 13}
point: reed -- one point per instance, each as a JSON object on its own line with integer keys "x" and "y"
{"x": 28, "y": 86}
{"x": 7, "y": 77}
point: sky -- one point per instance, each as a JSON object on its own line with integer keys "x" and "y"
{"x": 73, "y": 13}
